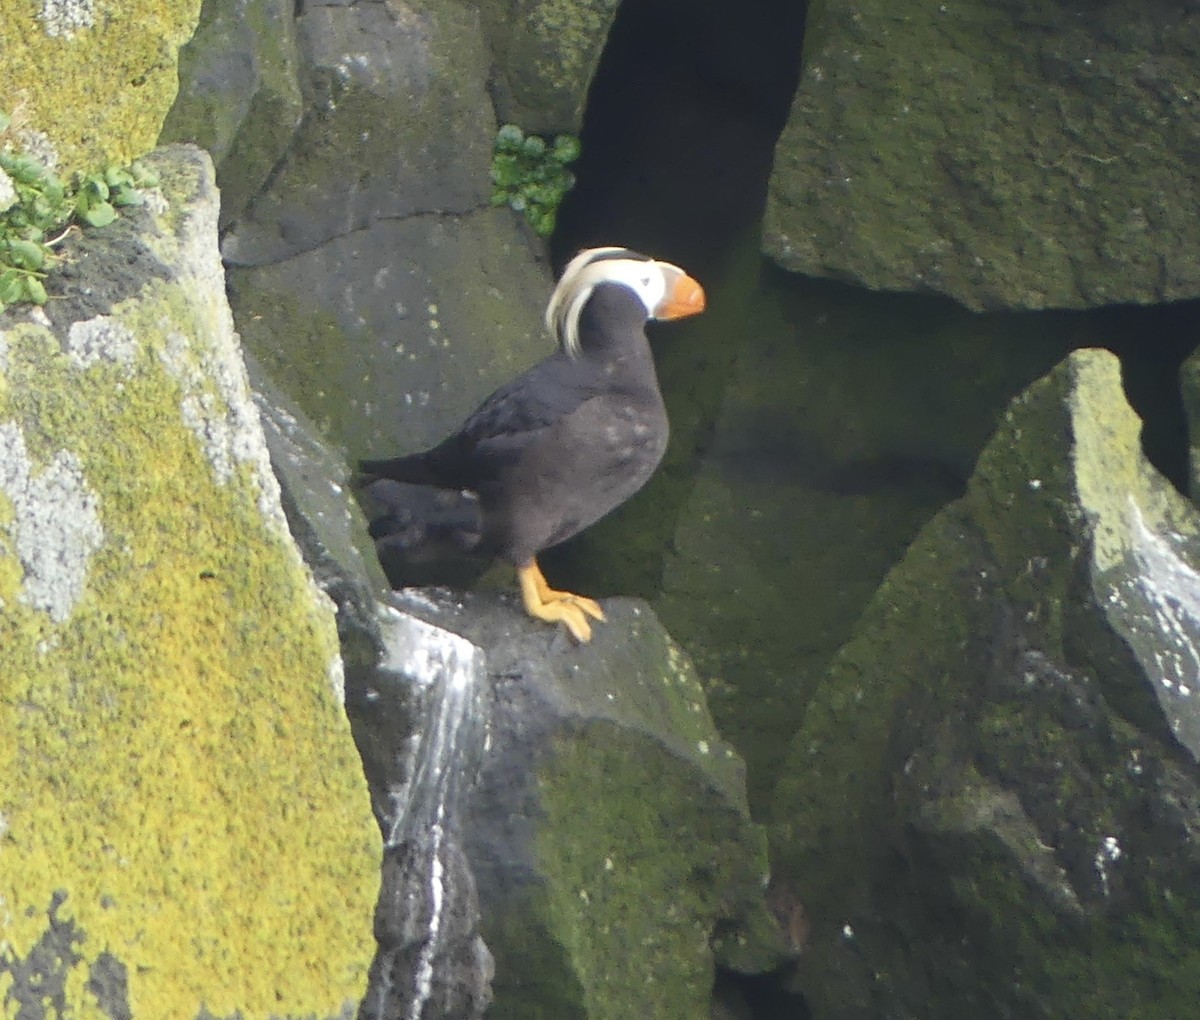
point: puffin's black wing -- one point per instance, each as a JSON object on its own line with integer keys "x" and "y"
{"x": 500, "y": 429}
{"x": 537, "y": 400}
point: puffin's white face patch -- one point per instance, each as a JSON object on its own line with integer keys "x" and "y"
{"x": 646, "y": 277}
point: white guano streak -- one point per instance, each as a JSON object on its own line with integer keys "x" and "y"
{"x": 1165, "y": 635}
{"x": 446, "y": 667}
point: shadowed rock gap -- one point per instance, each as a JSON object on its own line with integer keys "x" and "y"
{"x": 680, "y": 129}
{"x": 1152, "y": 344}
{"x": 678, "y": 139}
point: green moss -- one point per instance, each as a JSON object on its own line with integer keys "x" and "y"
{"x": 245, "y": 134}
{"x": 1145, "y": 964}
{"x": 535, "y": 978}
{"x": 573, "y": 33}
{"x": 457, "y": 342}
{"x": 634, "y": 851}
{"x": 1040, "y": 202}
{"x": 547, "y": 51}
{"x": 976, "y": 790}
{"x": 643, "y": 852}
{"x": 312, "y": 363}
{"x": 835, "y": 785}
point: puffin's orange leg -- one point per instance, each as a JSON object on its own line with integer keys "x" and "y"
{"x": 548, "y": 594}
{"x": 546, "y": 603}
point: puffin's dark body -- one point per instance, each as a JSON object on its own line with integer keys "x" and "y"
{"x": 560, "y": 446}
{"x": 557, "y": 448}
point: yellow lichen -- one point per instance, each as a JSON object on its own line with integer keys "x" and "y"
{"x": 98, "y": 93}
{"x": 1111, "y": 471}
{"x": 1107, "y": 449}
{"x": 175, "y": 760}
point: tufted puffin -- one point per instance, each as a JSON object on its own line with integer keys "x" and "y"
{"x": 556, "y": 449}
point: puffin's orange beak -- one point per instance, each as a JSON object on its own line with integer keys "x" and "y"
{"x": 686, "y": 297}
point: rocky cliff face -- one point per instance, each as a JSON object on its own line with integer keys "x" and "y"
{"x": 980, "y": 781}
{"x": 86, "y": 88}
{"x": 822, "y": 428}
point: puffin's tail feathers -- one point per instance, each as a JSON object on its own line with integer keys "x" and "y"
{"x": 421, "y": 522}
{"x": 414, "y": 468}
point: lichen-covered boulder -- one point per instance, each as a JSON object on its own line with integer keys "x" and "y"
{"x": 612, "y": 854}
{"x": 89, "y": 84}
{"x": 1018, "y": 155}
{"x": 993, "y": 803}
{"x": 184, "y": 828}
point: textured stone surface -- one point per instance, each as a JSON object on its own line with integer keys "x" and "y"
{"x": 391, "y": 356}
{"x": 89, "y": 84}
{"x": 1189, "y": 385}
{"x": 396, "y": 123}
{"x": 607, "y": 827}
{"x": 1021, "y": 154}
{"x": 546, "y": 52}
{"x": 185, "y": 822}
{"x": 1000, "y": 766}
{"x": 370, "y": 276}
{"x": 239, "y": 93}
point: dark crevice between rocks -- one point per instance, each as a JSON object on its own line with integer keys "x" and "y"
{"x": 759, "y": 996}
{"x": 680, "y": 128}
{"x": 677, "y": 141}
{"x": 1153, "y": 343}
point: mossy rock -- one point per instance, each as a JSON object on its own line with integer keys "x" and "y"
{"x": 546, "y": 52}
{"x": 186, "y": 827}
{"x": 239, "y": 94}
{"x": 1019, "y": 156}
{"x": 436, "y": 315}
{"x": 608, "y": 829}
{"x": 987, "y": 806}
{"x": 396, "y": 124}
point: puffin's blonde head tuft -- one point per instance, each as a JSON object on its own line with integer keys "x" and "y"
{"x": 647, "y": 277}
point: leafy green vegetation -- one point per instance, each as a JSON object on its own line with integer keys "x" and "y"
{"x": 41, "y": 209}
{"x": 530, "y": 175}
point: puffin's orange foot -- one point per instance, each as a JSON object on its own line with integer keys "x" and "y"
{"x": 545, "y": 603}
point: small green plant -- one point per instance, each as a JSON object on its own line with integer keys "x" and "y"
{"x": 42, "y": 210}
{"x": 530, "y": 175}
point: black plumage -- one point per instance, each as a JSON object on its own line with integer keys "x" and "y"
{"x": 556, "y": 449}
